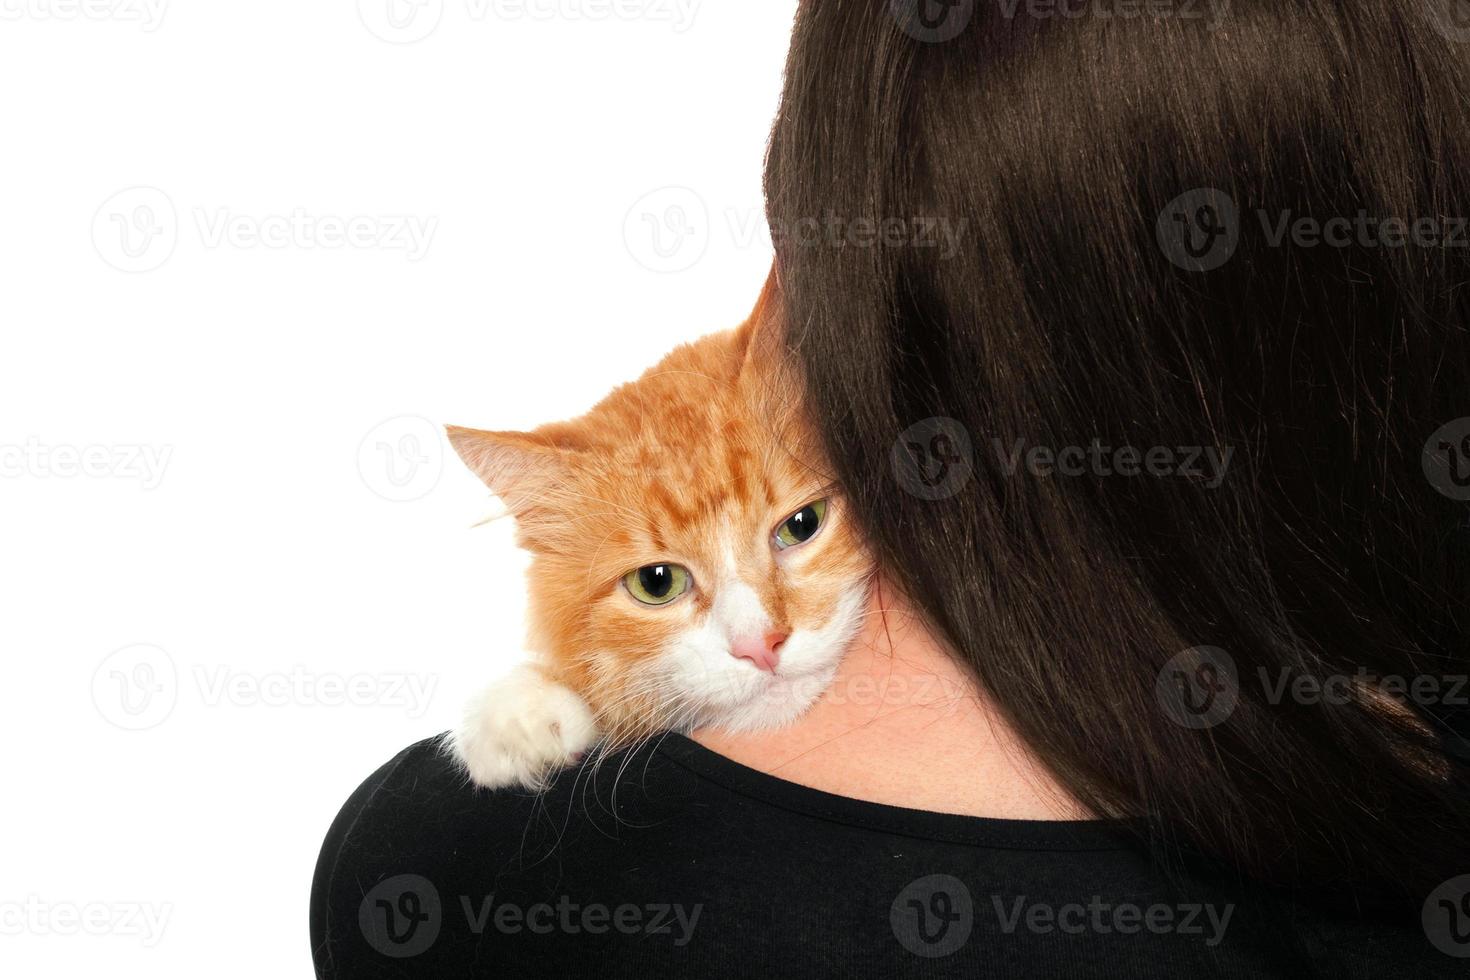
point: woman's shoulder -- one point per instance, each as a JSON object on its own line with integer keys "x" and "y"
{"x": 673, "y": 859}
{"x": 418, "y": 847}
{"x": 420, "y": 810}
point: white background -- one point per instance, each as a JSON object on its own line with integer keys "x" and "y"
{"x": 225, "y": 507}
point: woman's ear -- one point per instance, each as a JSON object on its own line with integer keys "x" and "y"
{"x": 520, "y": 468}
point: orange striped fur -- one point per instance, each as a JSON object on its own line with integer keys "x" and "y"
{"x": 696, "y": 463}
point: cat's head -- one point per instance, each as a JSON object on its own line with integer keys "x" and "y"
{"x": 692, "y": 563}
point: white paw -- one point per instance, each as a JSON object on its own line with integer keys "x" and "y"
{"x": 521, "y": 729}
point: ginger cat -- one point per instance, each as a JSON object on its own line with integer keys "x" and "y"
{"x": 692, "y": 565}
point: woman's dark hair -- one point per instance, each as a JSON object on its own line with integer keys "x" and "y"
{"x": 1233, "y": 238}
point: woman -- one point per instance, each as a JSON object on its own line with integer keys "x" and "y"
{"x": 1150, "y": 396}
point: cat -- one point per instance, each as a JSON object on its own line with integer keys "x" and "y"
{"x": 692, "y": 563}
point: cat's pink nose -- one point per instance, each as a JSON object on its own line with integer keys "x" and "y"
{"x": 763, "y": 651}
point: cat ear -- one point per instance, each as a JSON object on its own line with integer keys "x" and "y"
{"x": 761, "y": 332}
{"x": 520, "y": 468}
{"x": 767, "y": 363}
{"x": 769, "y": 375}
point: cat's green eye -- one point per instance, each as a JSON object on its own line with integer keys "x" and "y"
{"x": 801, "y": 526}
{"x": 655, "y": 585}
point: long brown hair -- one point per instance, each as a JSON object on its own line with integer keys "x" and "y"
{"x": 1011, "y": 250}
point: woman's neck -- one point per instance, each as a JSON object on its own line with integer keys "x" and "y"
{"x": 904, "y": 724}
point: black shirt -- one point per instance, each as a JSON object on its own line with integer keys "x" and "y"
{"x": 675, "y": 861}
